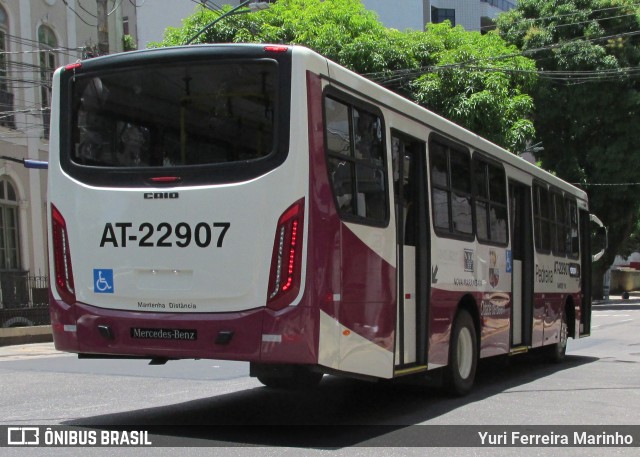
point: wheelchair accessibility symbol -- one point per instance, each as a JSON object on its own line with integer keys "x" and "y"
{"x": 103, "y": 281}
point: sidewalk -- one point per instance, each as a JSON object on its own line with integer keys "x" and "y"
{"x": 32, "y": 350}
{"x": 25, "y": 335}
{"x": 617, "y": 300}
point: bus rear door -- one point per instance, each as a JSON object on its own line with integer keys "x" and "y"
{"x": 413, "y": 259}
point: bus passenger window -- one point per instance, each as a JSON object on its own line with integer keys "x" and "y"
{"x": 368, "y": 136}
{"x": 490, "y": 202}
{"x": 573, "y": 242}
{"x": 342, "y": 180}
{"x": 542, "y": 220}
{"x": 560, "y": 225}
{"x": 337, "y": 129}
{"x": 451, "y": 190}
{"x": 357, "y": 169}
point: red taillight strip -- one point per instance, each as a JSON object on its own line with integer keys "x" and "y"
{"x": 292, "y": 255}
{"x": 286, "y": 262}
{"x": 62, "y": 257}
{"x": 73, "y": 66}
{"x": 276, "y": 48}
{"x": 278, "y": 272}
{"x": 165, "y": 179}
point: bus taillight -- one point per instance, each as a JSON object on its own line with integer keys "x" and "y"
{"x": 286, "y": 260}
{"x": 62, "y": 257}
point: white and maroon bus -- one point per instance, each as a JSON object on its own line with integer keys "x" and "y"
{"x": 263, "y": 204}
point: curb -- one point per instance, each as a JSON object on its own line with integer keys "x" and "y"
{"x": 25, "y": 335}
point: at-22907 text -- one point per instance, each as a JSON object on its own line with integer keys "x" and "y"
{"x": 163, "y": 235}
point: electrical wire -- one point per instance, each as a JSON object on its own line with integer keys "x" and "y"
{"x": 559, "y": 16}
{"x": 85, "y": 10}
{"x": 78, "y": 15}
{"x": 402, "y": 75}
{"x": 115, "y": 7}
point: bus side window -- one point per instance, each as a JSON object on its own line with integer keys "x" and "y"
{"x": 490, "y": 202}
{"x": 451, "y": 190}
{"x": 560, "y": 224}
{"x": 357, "y": 169}
{"x": 573, "y": 240}
{"x": 542, "y": 219}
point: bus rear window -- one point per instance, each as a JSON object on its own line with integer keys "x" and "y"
{"x": 174, "y": 115}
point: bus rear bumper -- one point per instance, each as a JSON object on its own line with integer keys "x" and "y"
{"x": 243, "y": 336}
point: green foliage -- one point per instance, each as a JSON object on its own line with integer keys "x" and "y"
{"x": 492, "y": 103}
{"x": 472, "y": 87}
{"x": 128, "y": 43}
{"x": 587, "y": 126}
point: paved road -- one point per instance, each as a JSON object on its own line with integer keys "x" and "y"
{"x": 598, "y": 384}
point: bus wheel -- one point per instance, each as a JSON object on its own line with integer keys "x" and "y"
{"x": 558, "y": 351}
{"x": 463, "y": 355}
{"x": 299, "y": 378}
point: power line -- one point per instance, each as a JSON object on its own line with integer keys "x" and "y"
{"x": 403, "y": 75}
{"x": 36, "y": 51}
{"x": 115, "y": 7}
{"x": 84, "y": 9}
{"x": 559, "y": 16}
{"x": 611, "y": 184}
{"x": 77, "y": 14}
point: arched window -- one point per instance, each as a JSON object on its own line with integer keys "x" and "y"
{"x": 48, "y": 44}
{"x": 9, "y": 233}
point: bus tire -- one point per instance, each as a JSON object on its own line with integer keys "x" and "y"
{"x": 300, "y": 378}
{"x": 557, "y": 352}
{"x": 463, "y": 355}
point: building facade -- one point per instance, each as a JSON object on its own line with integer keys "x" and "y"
{"x": 476, "y": 15}
{"x": 154, "y": 16}
{"x": 37, "y": 36}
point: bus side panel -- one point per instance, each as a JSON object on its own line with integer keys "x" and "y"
{"x": 290, "y": 335}
{"x": 354, "y": 285}
{"x": 63, "y": 324}
{"x": 368, "y": 307}
{"x": 443, "y": 304}
{"x": 323, "y": 267}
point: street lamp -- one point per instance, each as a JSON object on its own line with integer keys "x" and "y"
{"x": 251, "y": 7}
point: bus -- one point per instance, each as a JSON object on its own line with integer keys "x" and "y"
{"x": 261, "y": 203}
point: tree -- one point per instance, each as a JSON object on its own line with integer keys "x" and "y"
{"x": 471, "y": 86}
{"x": 481, "y": 96}
{"x": 588, "y": 101}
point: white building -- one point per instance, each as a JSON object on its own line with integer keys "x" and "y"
{"x": 416, "y": 14}
{"x": 155, "y": 15}
{"x": 36, "y": 36}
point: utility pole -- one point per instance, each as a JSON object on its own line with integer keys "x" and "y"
{"x": 103, "y": 28}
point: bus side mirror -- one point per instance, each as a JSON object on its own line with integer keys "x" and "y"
{"x": 599, "y": 237}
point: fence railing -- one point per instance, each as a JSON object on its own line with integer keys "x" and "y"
{"x": 24, "y": 299}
